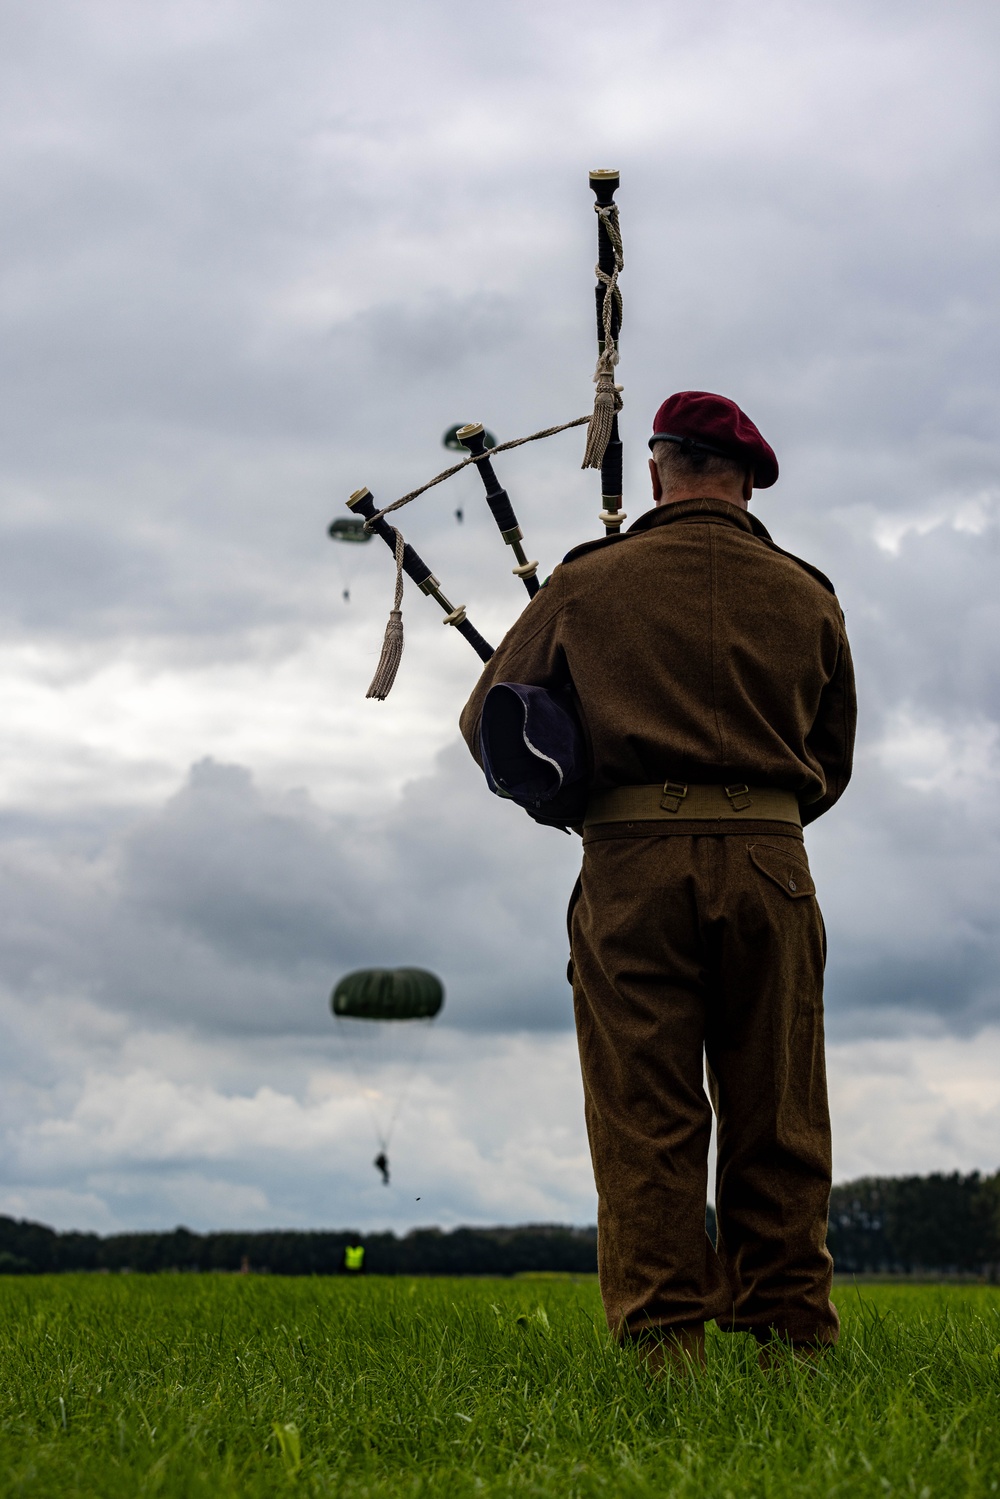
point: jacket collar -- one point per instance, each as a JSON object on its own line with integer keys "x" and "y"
{"x": 715, "y": 510}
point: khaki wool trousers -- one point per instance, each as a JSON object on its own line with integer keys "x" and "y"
{"x": 695, "y": 951}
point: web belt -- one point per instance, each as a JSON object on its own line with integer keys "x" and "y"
{"x": 675, "y": 801}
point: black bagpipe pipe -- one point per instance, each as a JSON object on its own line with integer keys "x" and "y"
{"x": 473, "y": 437}
{"x": 415, "y": 568}
{"x": 605, "y": 184}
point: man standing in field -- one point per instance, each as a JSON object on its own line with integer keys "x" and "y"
{"x": 712, "y": 677}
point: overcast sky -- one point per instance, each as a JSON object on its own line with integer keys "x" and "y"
{"x": 257, "y": 255}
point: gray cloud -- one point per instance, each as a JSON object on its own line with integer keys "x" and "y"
{"x": 233, "y": 911}
{"x": 254, "y": 259}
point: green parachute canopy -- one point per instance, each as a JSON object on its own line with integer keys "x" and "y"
{"x": 388, "y": 994}
{"x": 348, "y": 528}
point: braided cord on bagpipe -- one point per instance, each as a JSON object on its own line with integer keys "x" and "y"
{"x": 456, "y": 468}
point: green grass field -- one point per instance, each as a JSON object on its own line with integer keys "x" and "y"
{"x": 213, "y": 1385}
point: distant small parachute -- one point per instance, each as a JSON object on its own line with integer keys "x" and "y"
{"x": 348, "y": 528}
{"x": 383, "y": 1018}
{"x": 388, "y": 994}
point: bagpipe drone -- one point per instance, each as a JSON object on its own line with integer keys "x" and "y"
{"x": 543, "y": 784}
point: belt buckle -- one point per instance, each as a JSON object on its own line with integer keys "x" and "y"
{"x": 739, "y": 797}
{"x": 673, "y": 794}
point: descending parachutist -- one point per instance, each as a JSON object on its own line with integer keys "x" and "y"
{"x": 348, "y": 530}
{"x": 394, "y": 1008}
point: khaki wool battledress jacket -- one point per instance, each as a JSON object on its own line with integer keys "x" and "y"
{"x": 698, "y": 652}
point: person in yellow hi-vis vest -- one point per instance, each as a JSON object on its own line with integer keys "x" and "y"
{"x": 354, "y": 1259}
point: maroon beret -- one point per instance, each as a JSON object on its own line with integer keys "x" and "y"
{"x": 714, "y": 424}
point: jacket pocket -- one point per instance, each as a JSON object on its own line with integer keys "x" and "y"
{"x": 789, "y": 873}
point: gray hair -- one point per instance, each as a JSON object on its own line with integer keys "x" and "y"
{"x": 677, "y": 466}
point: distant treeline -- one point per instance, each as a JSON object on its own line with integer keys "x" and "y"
{"x": 906, "y": 1224}
{"x": 30, "y": 1247}
{"x": 890, "y": 1225}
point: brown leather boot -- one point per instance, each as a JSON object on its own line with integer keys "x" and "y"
{"x": 679, "y": 1351}
{"x": 778, "y": 1356}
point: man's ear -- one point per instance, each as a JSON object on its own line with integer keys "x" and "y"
{"x": 654, "y": 474}
{"x": 747, "y": 486}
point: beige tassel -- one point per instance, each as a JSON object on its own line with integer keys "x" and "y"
{"x": 608, "y": 398}
{"x": 392, "y": 654}
{"x": 392, "y": 644}
{"x": 606, "y": 403}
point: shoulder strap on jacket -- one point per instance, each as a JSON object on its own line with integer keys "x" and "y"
{"x": 586, "y": 547}
{"x": 763, "y": 534}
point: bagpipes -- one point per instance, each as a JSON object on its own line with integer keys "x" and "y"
{"x": 603, "y": 451}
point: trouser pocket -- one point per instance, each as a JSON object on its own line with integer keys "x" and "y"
{"x": 789, "y": 871}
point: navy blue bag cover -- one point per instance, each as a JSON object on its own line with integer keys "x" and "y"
{"x": 534, "y": 752}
